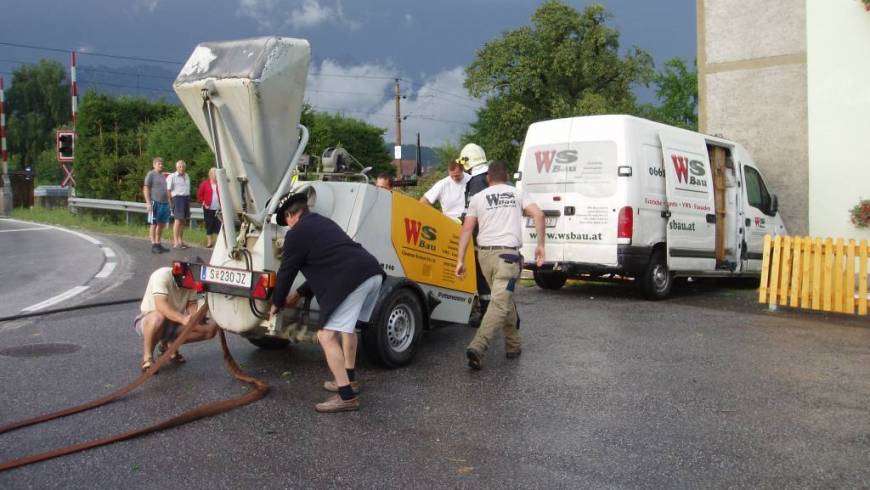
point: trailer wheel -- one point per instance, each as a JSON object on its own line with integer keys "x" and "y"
{"x": 550, "y": 279}
{"x": 657, "y": 280}
{"x": 269, "y": 343}
{"x": 392, "y": 338}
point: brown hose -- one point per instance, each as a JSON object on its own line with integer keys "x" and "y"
{"x": 259, "y": 391}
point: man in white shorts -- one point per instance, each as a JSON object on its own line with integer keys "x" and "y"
{"x": 344, "y": 278}
{"x": 164, "y": 309}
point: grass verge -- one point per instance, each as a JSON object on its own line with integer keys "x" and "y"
{"x": 105, "y": 224}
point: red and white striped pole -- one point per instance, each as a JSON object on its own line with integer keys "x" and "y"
{"x": 74, "y": 88}
{"x": 4, "y": 154}
{"x": 5, "y": 183}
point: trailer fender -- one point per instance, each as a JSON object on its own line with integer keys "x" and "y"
{"x": 392, "y": 283}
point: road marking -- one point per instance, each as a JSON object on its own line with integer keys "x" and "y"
{"x": 25, "y": 229}
{"x": 106, "y": 270}
{"x": 57, "y": 299}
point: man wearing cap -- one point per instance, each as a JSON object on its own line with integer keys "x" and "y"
{"x": 498, "y": 210}
{"x": 344, "y": 278}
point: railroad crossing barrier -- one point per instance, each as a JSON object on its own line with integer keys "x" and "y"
{"x": 126, "y": 206}
{"x": 814, "y": 273}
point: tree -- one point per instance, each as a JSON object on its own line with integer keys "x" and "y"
{"x": 176, "y": 137}
{"x": 38, "y": 102}
{"x": 111, "y": 150}
{"x": 677, "y": 91}
{"x": 566, "y": 63}
{"x": 362, "y": 140}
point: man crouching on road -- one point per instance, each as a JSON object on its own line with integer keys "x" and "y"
{"x": 344, "y": 278}
{"x": 165, "y": 308}
{"x": 498, "y": 210}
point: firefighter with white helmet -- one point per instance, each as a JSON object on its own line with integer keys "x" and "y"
{"x": 473, "y": 159}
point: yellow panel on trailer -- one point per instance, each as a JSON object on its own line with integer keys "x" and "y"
{"x": 427, "y": 243}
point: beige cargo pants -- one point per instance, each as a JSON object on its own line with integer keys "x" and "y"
{"x": 502, "y": 312}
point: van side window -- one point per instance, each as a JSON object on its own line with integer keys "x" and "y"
{"x": 756, "y": 192}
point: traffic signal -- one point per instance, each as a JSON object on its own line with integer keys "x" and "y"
{"x": 65, "y": 145}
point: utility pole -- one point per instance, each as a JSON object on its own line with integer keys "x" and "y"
{"x": 5, "y": 184}
{"x": 398, "y": 150}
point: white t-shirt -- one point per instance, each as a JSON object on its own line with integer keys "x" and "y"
{"x": 161, "y": 282}
{"x": 450, "y": 194}
{"x": 499, "y": 213}
{"x": 178, "y": 185}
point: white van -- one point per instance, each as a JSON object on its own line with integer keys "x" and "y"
{"x": 634, "y": 198}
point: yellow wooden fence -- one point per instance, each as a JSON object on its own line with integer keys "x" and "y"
{"x": 817, "y": 274}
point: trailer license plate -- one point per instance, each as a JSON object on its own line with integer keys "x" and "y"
{"x": 228, "y": 277}
{"x": 550, "y": 221}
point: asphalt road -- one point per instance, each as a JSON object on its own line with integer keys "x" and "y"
{"x": 704, "y": 390}
{"x": 38, "y": 263}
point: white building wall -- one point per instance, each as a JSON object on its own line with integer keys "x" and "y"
{"x": 838, "y": 86}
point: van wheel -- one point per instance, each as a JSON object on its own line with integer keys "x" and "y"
{"x": 269, "y": 343}
{"x": 657, "y": 280}
{"x": 393, "y": 336}
{"x": 550, "y": 279}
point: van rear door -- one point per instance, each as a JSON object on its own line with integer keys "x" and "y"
{"x": 543, "y": 181}
{"x": 691, "y": 232}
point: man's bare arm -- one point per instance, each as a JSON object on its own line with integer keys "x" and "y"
{"x": 168, "y": 312}
{"x": 540, "y": 227}
{"x": 425, "y": 201}
{"x": 464, "y": 239}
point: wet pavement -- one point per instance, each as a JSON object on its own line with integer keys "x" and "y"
{"x": 707, "y": 389}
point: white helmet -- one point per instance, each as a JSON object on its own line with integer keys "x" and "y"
{"x": 471, "y": 156}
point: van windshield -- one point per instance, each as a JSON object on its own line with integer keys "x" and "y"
{"x": 585, "y": 167}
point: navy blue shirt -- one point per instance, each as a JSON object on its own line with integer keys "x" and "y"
{"x": 332, "y": 263}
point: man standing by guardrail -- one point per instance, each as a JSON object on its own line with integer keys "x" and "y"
{"x": 178, "y": 185}
{"x": 157, "y": 203}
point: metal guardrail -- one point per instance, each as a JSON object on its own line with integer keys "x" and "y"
{"x": 126, "y": 206}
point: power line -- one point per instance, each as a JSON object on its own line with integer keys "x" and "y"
{"x": 91, "y": 53}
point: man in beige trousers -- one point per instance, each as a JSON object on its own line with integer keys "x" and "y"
{"x": 499, "y": 210}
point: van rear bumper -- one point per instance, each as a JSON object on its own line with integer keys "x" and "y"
{"x": 630, "y": 261}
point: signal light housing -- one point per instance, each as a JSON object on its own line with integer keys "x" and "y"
{"x": 65, "y": 145}
{"x": 625, "y": 225}
{"x": 263, "y": 287}
{"x": 183, "y": 275}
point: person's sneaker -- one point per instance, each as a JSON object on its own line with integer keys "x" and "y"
{"x": 155, "y": 249}
{"x": 336, "y": 404}
{"x": 162, "y": 248}
{"x": 513, "y": 354}
{"x": 473, "y": 359}
{"x": 333, "y": 387}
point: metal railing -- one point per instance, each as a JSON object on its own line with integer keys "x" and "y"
{"x": 126, "y": 206}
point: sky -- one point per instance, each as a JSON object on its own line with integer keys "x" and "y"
{"x": 358, "y": 46}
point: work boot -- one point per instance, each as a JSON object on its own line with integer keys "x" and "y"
{"x": 336, "y": 404}
{"x": 473, "y": 359}
{"x": 513, "y": 354}
{"x": 333, "y": 387}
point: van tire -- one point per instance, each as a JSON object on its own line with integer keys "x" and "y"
{"x": 550, "y": 279}
{"x": 269, "y": 343}
{"x": 657, "y": 280}
{"x": 392, "y": 338}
